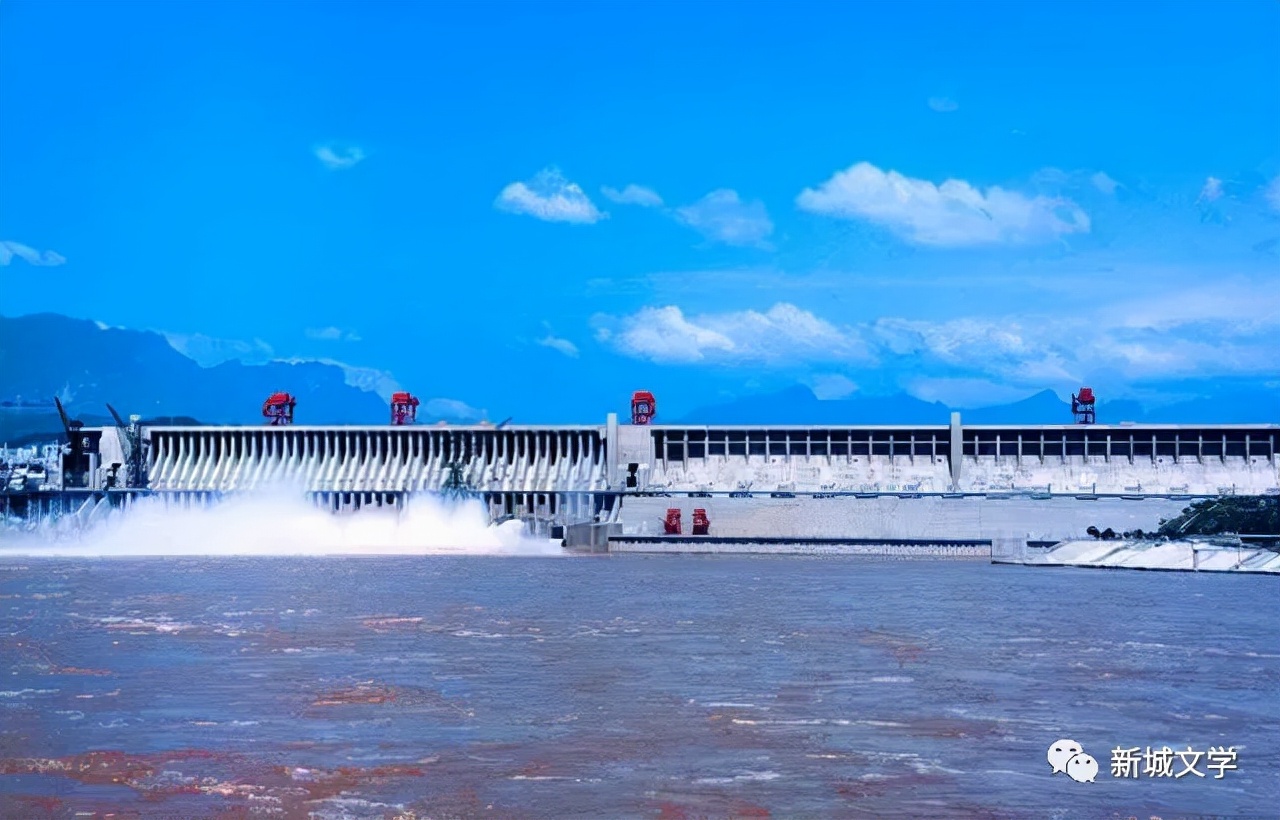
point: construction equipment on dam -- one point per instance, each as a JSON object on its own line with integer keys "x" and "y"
{"x": 278, "y": 409}
{"x": 643, "y": 407}
{"x": 404, "y": 409}
{"x": 612, "y": 482}
{"x": 1082, "y": 406}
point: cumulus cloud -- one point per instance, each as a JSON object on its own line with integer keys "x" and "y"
{"x": 1016, "y": 351}
{"x": 9, "y": 250}
{"x": 723, "y": 217}
{"x": 784, "y": 333}
{"x": 1228, "y": 329}
{"x": 954, "y": 213}
{"x": 633, "y": 195}
{"x": 564, "y": 346}
{"x": 943, "y": 105}
{"x": 550, "y": 197}
{"x": 331, "y": 334}
{"x": 339, "y": 159}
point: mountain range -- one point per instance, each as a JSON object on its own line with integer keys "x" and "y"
{"x": 88, "y": 365}
{"x": 798, "y": 405}
{"x": 138, "y": 372}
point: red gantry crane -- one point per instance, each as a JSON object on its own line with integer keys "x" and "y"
{"x": 643, "y": 407}
{"x": 1082, "y": 405}
{"x": 279, "y": 409}
{"x": 404, "y": 408}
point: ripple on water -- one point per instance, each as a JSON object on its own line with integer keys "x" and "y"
{"x": 408, "y": 688}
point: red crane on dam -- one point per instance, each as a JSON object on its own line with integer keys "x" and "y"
{"x": 643, "y": 407}
{"x": 279, "y": 409}
{"x": 404, "y": 408}
{"x": 1082, "y": 406}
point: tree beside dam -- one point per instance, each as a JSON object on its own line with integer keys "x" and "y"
{"x": 1248, "y": 515}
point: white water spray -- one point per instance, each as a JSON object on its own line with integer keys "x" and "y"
{"x": 271, "y": 524}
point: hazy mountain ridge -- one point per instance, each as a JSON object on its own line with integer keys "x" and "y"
{"x": 87, "y": 366}
{"x": 47, "y": 355}
{"x": 798, "y": 405}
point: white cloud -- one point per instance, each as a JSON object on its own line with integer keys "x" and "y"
{"x": 1057, "y": 182}
{"x": 723, "y": 217}
{"x": 784, "y": 333}
{"x": 452, "y": 409}
{"x": 339, "y": 159}
{"x": 1212, "y": 190}
{"x": 1230, "y": 328}
{"x": 8, "y": 250}
{"x": 664, "y": 335}
{"x": 565, "y": 346}
{"x": 633, "y": 195}
{"x": 832, "y": 386}
{"x": 1104, "y": 183}
{"x": 1272, "y": 193}
{"x": 208, "y": 351}
{"x": 943, "y": 105}
{"x": 368, "y": 379}
{"x": 331, "y": 334}
{"x": 550, "y": 197}
{"x": 954, "y": 213}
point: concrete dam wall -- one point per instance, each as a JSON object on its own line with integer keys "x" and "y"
{"x": 894, "y": 519}
{"x": 375, "y": 459}
{"x": 1070, "y": 459}
{"x": 942, "y": 481}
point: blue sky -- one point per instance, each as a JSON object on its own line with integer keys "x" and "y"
{"x": 535, "y": 208}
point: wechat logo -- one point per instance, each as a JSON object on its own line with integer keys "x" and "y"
{"x": 1068, "y": 757}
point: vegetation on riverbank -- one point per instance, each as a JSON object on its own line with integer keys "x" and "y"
{"x": 1227, "y": 514}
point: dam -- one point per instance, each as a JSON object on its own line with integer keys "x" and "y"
{"x": 618, "y": 485}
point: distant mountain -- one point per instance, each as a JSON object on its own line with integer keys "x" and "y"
{"x": 139, "y": 372}
{"x": 47, "y": 355}
{"x": 1043, "y": 408}
{"x": 798, "y": 405}
{"x": 1240, "y": 405}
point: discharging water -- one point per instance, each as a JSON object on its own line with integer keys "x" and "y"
{"x": 617, "y": 687}
{"x": 275, "y": 524}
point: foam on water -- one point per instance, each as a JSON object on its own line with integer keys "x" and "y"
{"x": 281, "y": 523}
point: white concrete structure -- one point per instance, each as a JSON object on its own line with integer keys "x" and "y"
{"x": 1058, "y": 459}
{"x": 952, "y": 481}
{"x": 1189, "y": 555}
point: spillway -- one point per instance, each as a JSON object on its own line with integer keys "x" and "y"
{"x": 946, "y": 481}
